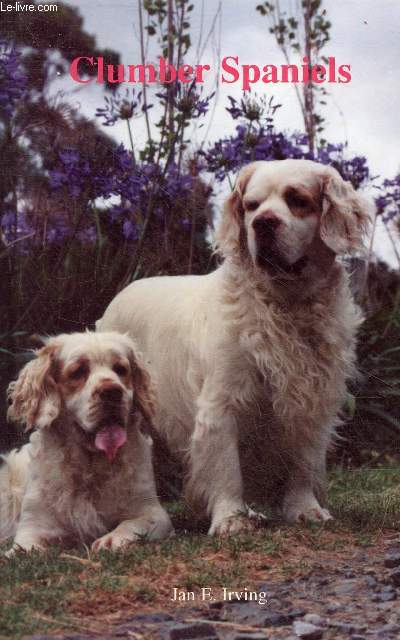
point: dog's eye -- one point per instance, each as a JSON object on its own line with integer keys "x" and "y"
{"x": 120, "y": 369}
{"x": 297, "y": 201}
{"x": 77, "y": 374}
{"x": 252, "y": 205}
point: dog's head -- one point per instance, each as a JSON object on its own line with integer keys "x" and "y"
{"x": 290, "y": 217}
{"x": 92, "y": 382}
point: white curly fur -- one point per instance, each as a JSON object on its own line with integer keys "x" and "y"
{"x": 245, "y": 354}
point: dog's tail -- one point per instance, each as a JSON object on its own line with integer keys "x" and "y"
{"x": 14, "y": 469}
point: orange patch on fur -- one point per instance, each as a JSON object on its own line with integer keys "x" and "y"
{"x": 74, "y": 377}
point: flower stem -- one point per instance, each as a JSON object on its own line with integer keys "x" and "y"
{"x": 131, "y": 141}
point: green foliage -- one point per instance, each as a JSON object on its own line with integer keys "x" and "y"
{"x": 374, "y": 408}
{"x": 178, "y": 36}
{"x": 366, "y": 499}
{"x": 305, "y": 33}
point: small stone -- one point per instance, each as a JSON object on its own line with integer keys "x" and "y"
{"x": 370, "y": 582}
{"x": 347, "y": 627}
{"x": 387, "y": 597}
{"x": 296, "y": 613}
{"x": 39, "y": 637}
{"x": 188, "y": 631}
{"x": 78, "y": 636}
{"x": 395, "y": 577}
{"x": 390, "y": 628}
{"x": 345, "y": 586}
{"x": 392, "y": 560}
{"x": 394, "y": 540}
{"x": 388, "y": 587}
{"x": 306, "y": 630}
{"x": 332, "y": 607}
{"x": 249, "y": 635}
{"x": 254, "y": 615}
{"x": 385, "y": 606}
{"x": 323, "y": 581}
{"x": 313, "y": 618}
{"x": 275, "y": 619}
{"x": 151, "y": 618}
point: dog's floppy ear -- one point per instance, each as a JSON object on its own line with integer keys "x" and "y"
{"x": 346, "y": 215}
{"x": 227, "y": 235}
{"x": 34, "y": 396}
{"x": 142, "y": 385}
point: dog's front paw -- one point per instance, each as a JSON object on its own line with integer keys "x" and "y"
{"x": 246, "y": 520}
{"x": 24, "y": 548}
{"x": 111, "y": 541}
{"x": 306, "y": 509}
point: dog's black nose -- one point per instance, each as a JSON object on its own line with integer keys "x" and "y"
{"x": 110, "y": 393}
{"x": 266, "y": 226}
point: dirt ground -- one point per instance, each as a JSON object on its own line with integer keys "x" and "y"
{"x": 316, "y": 583}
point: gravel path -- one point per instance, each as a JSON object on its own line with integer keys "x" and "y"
{"x": 356, "y": 598}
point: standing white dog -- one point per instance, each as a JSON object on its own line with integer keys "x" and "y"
{"x": 264, "y": 344}
{"x": 86, "y": 475}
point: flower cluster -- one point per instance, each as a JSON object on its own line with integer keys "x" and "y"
{"x": 13, "y": 82}
{"x": 388, "y": 201}
{"x": 263, "y": 142}
{"x": 138, "y": 188}
{"x": 230, "y": 153}
{"x": 134, "y": 185}
{"x": 80, "y": 178}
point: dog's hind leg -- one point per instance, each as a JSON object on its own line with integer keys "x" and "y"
{"x": 14, "y": 472}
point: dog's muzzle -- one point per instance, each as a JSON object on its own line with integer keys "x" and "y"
{"x": 268, "y": 255}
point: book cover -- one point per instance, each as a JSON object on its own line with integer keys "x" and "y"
{"x": 199, "y": 319}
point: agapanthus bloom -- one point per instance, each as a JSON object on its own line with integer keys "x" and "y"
{"x": 257, "y": 139}
{"x": 13, "y": 82}
{"x": 388, "y": 201}
{"x": 122, "y": 106}
{"x": 188, "y": 101}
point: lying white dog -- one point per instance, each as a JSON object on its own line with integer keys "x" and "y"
{"x": 260, "y": 347}
{"x": 86, "y": 475}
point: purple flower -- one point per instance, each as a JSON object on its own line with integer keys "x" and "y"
{"x": 187, "y": 100}
{"x": 253, "y": 108}
{"x": 138, "y": 186}
{"x": 13, "y": 82}
{"x": 257, "y": 139}
{"x": 388, "y": 201}
{"x": 130, "y": 230}
{"x": 122, "y": 106}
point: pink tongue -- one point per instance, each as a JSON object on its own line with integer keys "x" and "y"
{"x": 110, "y": 439}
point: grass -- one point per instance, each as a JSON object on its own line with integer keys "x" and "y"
{"x": 59, "y": 591}
{"x": 367, "y": 499}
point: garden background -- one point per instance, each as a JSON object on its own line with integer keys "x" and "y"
{"x": 101, "y": 185}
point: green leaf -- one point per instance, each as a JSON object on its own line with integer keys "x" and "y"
{"x": 350, "y": 405}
